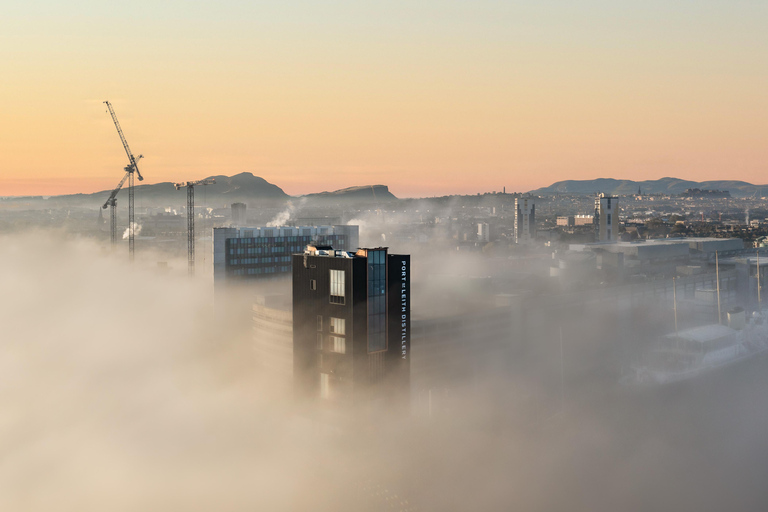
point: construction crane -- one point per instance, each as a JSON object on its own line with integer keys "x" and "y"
{"x": 191, "y": 217}
{"x": 112, "y": 204}
{"x": 130, "y": 170}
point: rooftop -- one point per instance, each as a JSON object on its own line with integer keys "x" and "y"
{"x": 704, "y": 333}
{"x": 327, "y": 250}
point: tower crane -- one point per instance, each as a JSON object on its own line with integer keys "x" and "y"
{"x": 112, "y": 204}
{"x": 191, "y": 217}
{"x": 130, "y": 170}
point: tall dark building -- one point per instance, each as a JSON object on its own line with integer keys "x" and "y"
{"x": 351, "y": 326}
{"x": 525, "y": 220}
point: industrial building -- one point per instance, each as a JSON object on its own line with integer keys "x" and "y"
{"x": 659, "y": 256}
{"x": 351, "y": 326}
{"x": 242, "y": 253}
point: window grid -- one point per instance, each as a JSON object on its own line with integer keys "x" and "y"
{"x": 377, "y": 306}
{"x": 337, "y": 286}
{"x": 337, "y": 344}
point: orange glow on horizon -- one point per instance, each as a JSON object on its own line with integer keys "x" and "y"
{"x": 482, "y": 97}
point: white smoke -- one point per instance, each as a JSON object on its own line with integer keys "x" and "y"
{"x": 284, "y": 216}
{"x": 136, "y": 231}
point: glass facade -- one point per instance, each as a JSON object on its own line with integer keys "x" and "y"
{"x": 377, "y": 300}
{"x": 270, "y": 256}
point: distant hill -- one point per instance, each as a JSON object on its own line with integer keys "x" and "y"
{"x": 243, "y": 187}
{"x": 661, "y": 186}
{"x": 366, "y": 193}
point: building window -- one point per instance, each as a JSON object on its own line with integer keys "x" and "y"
{"x": 608, "y": 219}
{"x": 319, "y": 323}
{"x": 320, "y": 341}
{"x": 313, "y": 284}
{"x": 337, "y": 344}
{"x": 338, "y": 326}
{"x": 377, "y": 306}
{"x": 337, "y": 286}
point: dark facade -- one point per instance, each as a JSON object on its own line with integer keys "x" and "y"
{"x": 265, "y": 252}
{"x": 351, "y": 326}
{"x": 525, "y": 220}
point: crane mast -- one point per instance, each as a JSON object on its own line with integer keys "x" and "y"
{"x": 131, "y": 169}
{"x": 191, "y": 218}
{"x": 111, "y": 203}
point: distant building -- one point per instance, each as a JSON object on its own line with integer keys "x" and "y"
{"x": 660, "y": 255}
{"x": 351, "y": 326}
{"x": 525, "y": 220}
{"x": 606, "y": 218}
{"x": 483, "y": 234}
{"x": 238, "y": 214}
{"x": 243, "y": 253}
{"x": 570, "y": 221}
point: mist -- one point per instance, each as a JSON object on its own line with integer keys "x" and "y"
{"x": 122, "y": 391}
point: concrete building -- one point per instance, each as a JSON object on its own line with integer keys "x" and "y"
{"x": 243, "y": 253}
{"x": 351, "y": 326}
{"x": 606, "y": 219}
{"x": 525, "y": 220}
{"x": 752, "y": 272}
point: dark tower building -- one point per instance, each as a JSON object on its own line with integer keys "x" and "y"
{"x": 525, "y": 220}
{"x": 351, "y": 326}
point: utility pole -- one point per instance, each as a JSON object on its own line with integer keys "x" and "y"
{"x": 191, "y": 218}
{"x": 132, "y": 167}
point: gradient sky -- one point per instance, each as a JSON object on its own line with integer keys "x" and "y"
{"x": 428, "y": 97}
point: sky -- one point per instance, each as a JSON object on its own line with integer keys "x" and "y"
{"x": 429, "y": 97}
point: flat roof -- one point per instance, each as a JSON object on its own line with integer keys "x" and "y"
{"x": 704, "y": 333}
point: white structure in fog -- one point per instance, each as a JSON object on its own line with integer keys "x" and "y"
{"x": 525, "y": 220}
{"x": 606, "y": 218}
{"x": 483, "y": 234}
